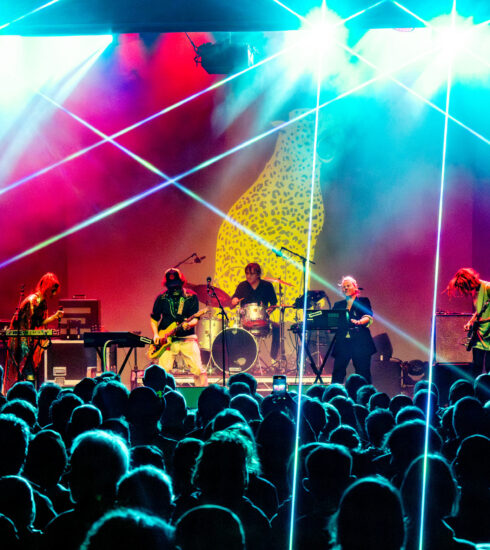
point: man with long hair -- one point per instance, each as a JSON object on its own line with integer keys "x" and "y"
{"x": 25, "y": 353}
{"x": 467, "y": 282}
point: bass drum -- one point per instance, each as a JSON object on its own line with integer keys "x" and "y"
{"x": 241, "y": 350}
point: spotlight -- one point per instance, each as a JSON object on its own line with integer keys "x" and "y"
{"x": 224, "y": 57}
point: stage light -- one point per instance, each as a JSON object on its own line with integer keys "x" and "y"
{"x": 224, "y": 57}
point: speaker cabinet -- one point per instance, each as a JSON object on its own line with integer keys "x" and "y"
{"x": 450, "y": 338}
{"x": 66, "y": 362}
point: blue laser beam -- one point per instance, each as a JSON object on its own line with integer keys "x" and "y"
{"x": 305, "y": 299}
{"x": 434, "y": 301}
{"x": 17, "y": 19}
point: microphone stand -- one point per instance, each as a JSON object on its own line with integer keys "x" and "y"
{"x": 185, "y": 260}
{"x": 224, "y": 316}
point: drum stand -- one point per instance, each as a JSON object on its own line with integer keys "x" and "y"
{"x": 283, "y": 362}
{"x": 224, "y": 320}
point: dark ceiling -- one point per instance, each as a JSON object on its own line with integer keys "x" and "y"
{"x": 128, "y": 16}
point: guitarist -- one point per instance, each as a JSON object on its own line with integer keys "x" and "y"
{"x": 175, "y": 306}
{"x": 467, "y": 282}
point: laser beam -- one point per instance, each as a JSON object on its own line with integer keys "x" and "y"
{"x": 5, "y": 25}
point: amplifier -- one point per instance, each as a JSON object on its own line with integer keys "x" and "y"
{"x": 450, "y": 344}
{"x": 66, "y": 362}
{"x": 80, "y": 316}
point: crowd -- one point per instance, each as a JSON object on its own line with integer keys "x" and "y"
{"x": 98, "y": 467}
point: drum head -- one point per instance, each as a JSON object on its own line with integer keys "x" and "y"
{"x": 241, "y": 350}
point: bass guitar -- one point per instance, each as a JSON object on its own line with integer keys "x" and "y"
{"x": 472, "y": 335}
{"x": 156, "y": 350}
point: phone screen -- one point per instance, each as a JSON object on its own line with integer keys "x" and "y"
{"x": 279, "y": 384}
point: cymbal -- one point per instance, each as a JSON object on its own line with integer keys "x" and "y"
{"x": 274, "y": 280}
{"x": 205, "y": 298}
{"x": 278, "y": 306}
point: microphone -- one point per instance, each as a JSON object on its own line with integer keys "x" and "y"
{"x": 197, "y": 259}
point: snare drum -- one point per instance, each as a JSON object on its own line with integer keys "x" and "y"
{"x": 255, "y": 319}
{"x": 241, "y": 350}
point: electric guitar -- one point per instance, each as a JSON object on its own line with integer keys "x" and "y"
{"x": 472, "y": 336}
{"x": 156, "y": 350}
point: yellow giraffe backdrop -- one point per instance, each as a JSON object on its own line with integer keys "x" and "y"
{"x": 276, "y": 207}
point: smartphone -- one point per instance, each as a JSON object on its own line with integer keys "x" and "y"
{"x": 279, "y": 384}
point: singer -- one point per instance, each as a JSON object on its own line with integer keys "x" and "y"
{"x": 173, "y": 307}
{"x": 25, "y": 353}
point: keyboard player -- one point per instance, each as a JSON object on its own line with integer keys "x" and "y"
{"x": 25, "y": 353}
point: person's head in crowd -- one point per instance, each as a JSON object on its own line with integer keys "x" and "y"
{"x": 61, "y": 409}
{"x": 282, "y": 403}
{"x": 17, "y": 502}
{"x": 8, "y": 533}
{"x": 242, "y": 433}
{"x": 14, "y": 438}
{"x": 361, "y": 413}
{"x": 471, "y": 462}
{"x": 300, "y": 464}
{"x": 222, "y": 527}
{"x": 247, "y": 406}
{"x": 440, "y": 487}
{"x": 409, "y": 413}
{"x": 171, "y": 384}
{"x": 239, "y": 388}
{"x": 469, "y": 418}
{"x": 332, "y": 421}
{"x": 148, "y": 489}
{"x": 378, "y": 423}
{"x": 364, "y": 394}
{"x": 119, "y": 427}
{"x": 125, "y": 528}
{"x": 328, "y": 473}
{"x": 222, "y": 454}
{"x": 46, "y": 459}
{"x": 460, "y": 388}
{"x": 155, "y": 378}
{"x": 346, "y": 436}
{"x": 147, "y": 455}
{"x": 314, "y": 411}
{"x": 107, "y": 376}
{"x": 246, "y": 378}
{"x": 144, "y": 407}
{"x": 227, "y": 418}
{"x": 98, "y": 461}
{"x": 23, "y": 390}
{"x": 83, "y": 419}
{"x": 85, "y": 389}
{"x": 315, "y": 392}
{"x": 111, "y": 398}
{"x": 48, "y": 392}
{"x": 175, "y": 409}
{"x": 353, "y": 383}
{"x": 275, "y": 437}
{"x": 424, "y": 385}
{"x": 184, "y": 462}
{"x": 370, "y": 517}
{"x": 407, "y": 441}
{"x": 212, "y": 400}
{"x": 446, "y": 427}
{"x": 332, "y": 391}
{"x": 481, "y": 387}
{"x": 398, "y": 402}
{"x": 421, "y": 400}
{"x": 21, "y": 409}
{"x": 379, "y": 400}
{"x": 345, "y": 406}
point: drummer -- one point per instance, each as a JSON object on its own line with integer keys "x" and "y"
{"x": 255, "y": 290}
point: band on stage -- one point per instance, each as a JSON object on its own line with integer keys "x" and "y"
{"x": 177, "y": 324}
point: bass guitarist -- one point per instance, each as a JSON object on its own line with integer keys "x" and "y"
{"x": 467, "y": 282}
{"x": 173, "y": 307}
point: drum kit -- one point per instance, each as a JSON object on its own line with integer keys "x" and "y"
{"x": 246, "y": 329}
